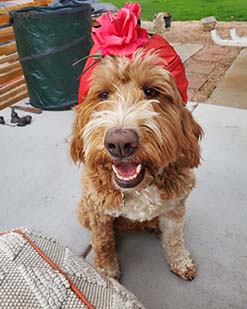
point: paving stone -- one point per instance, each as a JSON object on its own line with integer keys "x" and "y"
{"x": 200, "y": 67}
{"x": 216, "y": 50}
{"x": 191, "y": 92}
{"x": 204, "y": 56}
{"x": 195, "y": 81}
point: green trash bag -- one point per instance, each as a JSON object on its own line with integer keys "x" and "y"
{"x": 49, "y": 40}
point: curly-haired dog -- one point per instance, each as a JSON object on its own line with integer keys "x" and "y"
{"x": 138, "y": 144}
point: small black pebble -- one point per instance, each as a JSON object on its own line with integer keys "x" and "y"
{"x": 28, "y": 119}
{"x": 2, "y": 121}
{"x": 21, "y": 123}
{"x": 15, "y": 119}
{"x": 14, "y": 116}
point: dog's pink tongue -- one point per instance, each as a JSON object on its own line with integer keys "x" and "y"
{"x": 126, "y": 169}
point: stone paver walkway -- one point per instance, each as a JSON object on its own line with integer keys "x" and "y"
{"x": 204, "y": 66}
{"x": 207, "y": 67}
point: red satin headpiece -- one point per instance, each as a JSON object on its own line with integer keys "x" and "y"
{"x": 120, "y": 34}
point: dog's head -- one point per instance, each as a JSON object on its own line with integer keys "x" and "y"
{"x": 133, "y": 122}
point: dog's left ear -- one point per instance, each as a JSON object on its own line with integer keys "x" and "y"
{"x": 76, "y": 145}
{"x": 192, "y": 134}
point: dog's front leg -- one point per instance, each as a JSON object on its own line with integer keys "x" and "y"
{"x": 104, "y": 245}
{"x": 178, "y": 257}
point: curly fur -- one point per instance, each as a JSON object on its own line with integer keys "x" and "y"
{"x": 168, "y": 148}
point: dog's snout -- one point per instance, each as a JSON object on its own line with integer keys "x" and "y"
{"x": 121, "y": 143}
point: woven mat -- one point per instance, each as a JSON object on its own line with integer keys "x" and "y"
{"x": 37, "y": 272}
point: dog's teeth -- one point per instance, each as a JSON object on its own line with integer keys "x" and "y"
{"x": 138, "y": 169}
{"x": 134, "y": 176}
{"x": 120, "y": 177}
{"x": 114, "y": 169}
{"x": 116, "y": 172}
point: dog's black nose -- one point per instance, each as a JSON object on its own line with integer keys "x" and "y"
{"x": 121, "y": 143}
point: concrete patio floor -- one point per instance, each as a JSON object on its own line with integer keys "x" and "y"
{"x": 235, "y": 78}
{"x": 40, "y": 187}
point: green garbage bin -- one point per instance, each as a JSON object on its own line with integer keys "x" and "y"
{"x": 49, "y": 40}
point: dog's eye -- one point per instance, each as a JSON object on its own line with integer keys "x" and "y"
{"x": 104, "y": 95}
{"x": 150, "y": 93}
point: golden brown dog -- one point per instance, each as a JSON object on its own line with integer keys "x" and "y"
{"x": 138, "y": 144}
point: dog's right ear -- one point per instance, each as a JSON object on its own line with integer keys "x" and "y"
{"x": 76, "y": 145}
{"x": 192, "y": 134}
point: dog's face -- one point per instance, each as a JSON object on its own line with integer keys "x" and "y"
{"x": 133, "y": 123}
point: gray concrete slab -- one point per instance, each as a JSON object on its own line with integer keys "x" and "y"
{"x": 186, "y": 50}
{"x": 39, "y": 188}
{"x": 38, "y": 183}
{"x": 215, "y": 228}
{"x": 232, "y": 90}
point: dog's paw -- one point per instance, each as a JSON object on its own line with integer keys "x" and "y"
{"x": 112, "y": 271}
{"x": 184, "y": 267}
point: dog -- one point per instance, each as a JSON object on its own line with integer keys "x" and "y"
{"x": 139, "y": 144}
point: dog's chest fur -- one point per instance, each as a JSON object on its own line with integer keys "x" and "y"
{"x": 144, "y": 205}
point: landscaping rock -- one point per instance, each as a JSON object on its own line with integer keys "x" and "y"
{"x": 208, "y": 23}
{"x": 159, "y": 24}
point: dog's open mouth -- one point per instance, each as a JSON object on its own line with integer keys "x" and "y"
{"x": 128, "y": 174}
